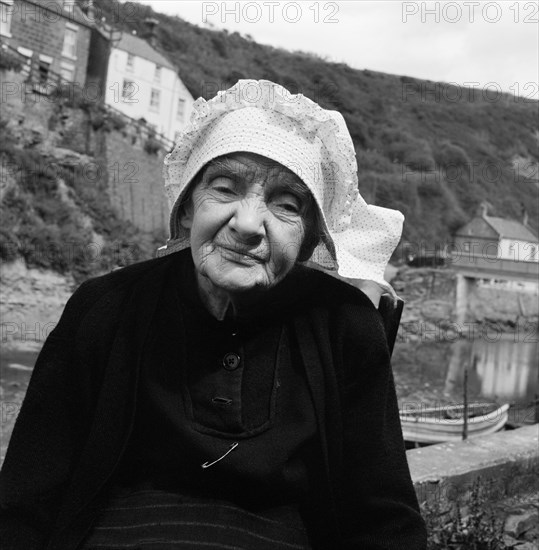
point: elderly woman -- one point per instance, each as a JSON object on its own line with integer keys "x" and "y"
{"x": 226, "y": 394}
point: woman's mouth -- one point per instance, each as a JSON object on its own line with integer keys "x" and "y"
{"x": 241, "y": 256}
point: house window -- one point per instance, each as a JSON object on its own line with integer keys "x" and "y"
{"x": 466, "y": 247}
{"x": 44, "y": 67}
{"x": 70, "y": 42}
{"x": 6, "y": 13}
{"x": 157, "y": 74}
{"x": 155, "y": 99}
{"x": 27, "y": 67}
{"x": 181, "y": 109}
{"x": 512, "y": 250}
{"x": 67, "y": 71}
{"x": 130, "y": 64}
{"x": 129, "y": 90}
{"x": 533, "y": 254}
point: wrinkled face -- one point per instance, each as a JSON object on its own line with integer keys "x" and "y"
{"x": 246, "y": 218}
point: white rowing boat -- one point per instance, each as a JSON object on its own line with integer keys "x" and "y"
{"x": 446, "y": 423}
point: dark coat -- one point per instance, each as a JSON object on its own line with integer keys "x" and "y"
{"x": 79, "y": 408}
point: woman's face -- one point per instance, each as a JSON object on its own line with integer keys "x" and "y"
{"x": 246, "y": 222}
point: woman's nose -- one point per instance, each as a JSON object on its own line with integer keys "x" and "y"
{"x": 248, "y": 218}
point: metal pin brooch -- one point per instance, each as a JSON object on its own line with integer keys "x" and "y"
{"x": 230, "y": 449}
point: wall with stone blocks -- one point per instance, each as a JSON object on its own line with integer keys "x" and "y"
{"x": 506, "y": 462}
{"x": 135, "y": 181}
{"x": 501, "y": 466}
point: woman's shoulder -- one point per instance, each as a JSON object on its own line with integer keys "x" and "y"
{"x": 109, "y": 290}
{"x": 344, "y": 309}
{"x": 326, "y": 290}
{"x": 124, "y": 277}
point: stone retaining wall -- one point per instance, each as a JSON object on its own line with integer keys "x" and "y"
{"x": 506, "y": 462}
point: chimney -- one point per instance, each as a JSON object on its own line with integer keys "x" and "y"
{"x": 524, "y": 216}
{"x": 151, "y": 24}
{"x": 483, "y": 209}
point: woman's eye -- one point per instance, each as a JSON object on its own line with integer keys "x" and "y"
{"x": 289, "y": 207}
{"x": 223, "y": 185}
{"x": 288, "y": 203}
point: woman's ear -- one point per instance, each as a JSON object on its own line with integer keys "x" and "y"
{"x": 186, "y": 214}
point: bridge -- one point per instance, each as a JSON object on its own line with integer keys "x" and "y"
{"x": 471, "y": 269}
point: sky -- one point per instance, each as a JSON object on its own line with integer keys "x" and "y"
{"x": 486, "y": 45}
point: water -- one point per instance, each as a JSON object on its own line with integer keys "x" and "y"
{"x": 503, "y": 369}
{"x": 15, "y": 369}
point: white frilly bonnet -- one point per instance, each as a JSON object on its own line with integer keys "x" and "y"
{"x": 259, "y": 116}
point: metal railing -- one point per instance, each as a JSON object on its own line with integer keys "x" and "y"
{"x": 142, "y": 126}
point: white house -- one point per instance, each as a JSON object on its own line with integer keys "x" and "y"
{"x": 498, "y": 238}
{"x": 142, "y": 83}
{"x": 497, "y": 249}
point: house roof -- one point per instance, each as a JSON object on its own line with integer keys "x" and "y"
{"x": 137, "y": 46}
{"x": 72, "y": 13}
{"x": 510, "y": 229}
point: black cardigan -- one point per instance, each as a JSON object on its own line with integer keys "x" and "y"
{"x": 78, "y": 412}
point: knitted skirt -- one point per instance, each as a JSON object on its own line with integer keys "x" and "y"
{"x": 158, "y": 520}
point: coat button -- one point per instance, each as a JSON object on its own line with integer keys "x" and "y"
{"x": 231, "y": 361}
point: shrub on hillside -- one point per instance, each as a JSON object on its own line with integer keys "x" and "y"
{"x": 152, "y": 145}
{"x": 73, "y": 96}
{"x": 34, "y": 172}
{"x": 426, "y": 185}
{"x": 419, "y": 157}
{"x": 359, "y": 131}
{"x": 454, "y": 220}
{"x": 117, "y": 121}
{"x": 449, "y": 155}
{"x": 8, "y": 245}
{"x": 233, "y": 76}
{"x": 373, "y": 160}
{"x": 388, "y": 190}
{"x": 53, "y": 247}
{"x": 218, "y": 41}
{"x": 9, "y": 62}
{"x": 429, "y": 189}
{"x": 402, "y": 147}
{"x": 97, "y": 119}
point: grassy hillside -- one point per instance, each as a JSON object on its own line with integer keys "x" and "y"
{"x": 431, "y": 150}
{"x": 421, "y": 148}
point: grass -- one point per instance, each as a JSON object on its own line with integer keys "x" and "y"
{"x": 480, "y": 529}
